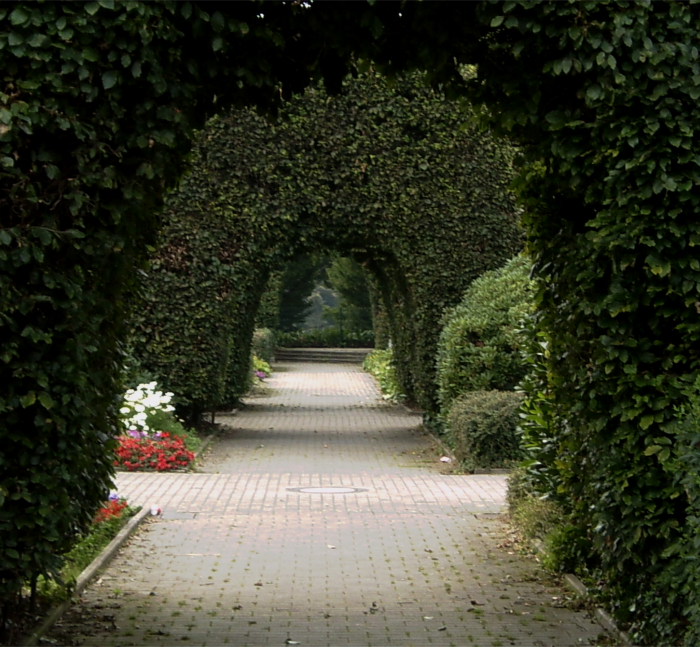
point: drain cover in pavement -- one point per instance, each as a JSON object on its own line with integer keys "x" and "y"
{"x": 327, "y": 490}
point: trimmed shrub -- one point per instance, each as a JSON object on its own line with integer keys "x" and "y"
{"x": 479, "y": 347}
{"x": 482, "y": 427}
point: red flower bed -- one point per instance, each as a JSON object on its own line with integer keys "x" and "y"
{"x": 113, "y": 509}
{"x": 161, "y": 454}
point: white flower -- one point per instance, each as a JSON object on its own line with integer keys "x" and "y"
{"x": 125, "y": 410}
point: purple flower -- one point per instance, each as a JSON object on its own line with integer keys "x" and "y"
{"x": 113, "y": 496}
{"x": 260, "y": 375}
{"x": 134, "y": 433}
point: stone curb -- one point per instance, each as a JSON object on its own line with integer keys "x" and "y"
{"x": 574, "y": 584}
{"x": 87, "y": 575}
{"x": 207, "y": 441}
{"x": 601, "y": 615}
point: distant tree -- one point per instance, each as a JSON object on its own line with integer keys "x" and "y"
{"x": 297, "y": 283}
{"x": 347, "y": 277}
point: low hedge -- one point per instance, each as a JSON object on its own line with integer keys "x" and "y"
{"x": 325, "y": 338}
{"x": 479, "y": 346}
{"x": 482, "y": 429}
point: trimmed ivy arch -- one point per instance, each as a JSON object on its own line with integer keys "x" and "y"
{"x": 403, "y": 181}
{"x": 98, "y": 105}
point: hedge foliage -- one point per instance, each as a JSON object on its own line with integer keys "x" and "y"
{"x": 482, "y": 429}
{"x": 97, "y": 107}
{"x": 99, "y": 101}
{"x": 397, "y": 178}
{"x": 604, "y": 99}
{"x": 479, "y": 347}
{"x": 380, "y": 364}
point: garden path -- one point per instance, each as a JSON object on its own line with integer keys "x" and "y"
{"x": 257, "y": 548}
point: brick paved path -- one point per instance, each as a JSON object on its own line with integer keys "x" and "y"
{"x": 241, "y": 557}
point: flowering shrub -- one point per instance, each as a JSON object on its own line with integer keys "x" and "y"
{"x": 162, "y": 453}
{"x": 153, "y": 437}
{"x": 111, "y": 510}
{"x": 261, "y": 369}
{"x": 142, "y": 405}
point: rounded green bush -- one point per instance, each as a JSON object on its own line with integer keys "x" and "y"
{"x": 479, "y": 346}
{"x": 482, "y": 427}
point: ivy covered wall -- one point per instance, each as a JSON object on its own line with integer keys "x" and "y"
{"x": 396, "y": 177}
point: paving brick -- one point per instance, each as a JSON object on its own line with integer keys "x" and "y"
{"x": 241, "y": 558}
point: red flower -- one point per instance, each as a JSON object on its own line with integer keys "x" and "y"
{"x": 162, "y": 454}
{"x": 111, "y": 510}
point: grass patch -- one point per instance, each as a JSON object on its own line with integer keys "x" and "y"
{"x": 81, "y": 556}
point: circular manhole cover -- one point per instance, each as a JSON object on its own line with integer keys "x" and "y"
{"x": 327, "y": 490}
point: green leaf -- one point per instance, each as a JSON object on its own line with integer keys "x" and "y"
{"x": 46, "y": 400}
{"x": 594, "y": 92}
{"x": 646, "y": 422}
{"x": 109, "y": 80}
{"x": 92, "y": 8}
{"x": 28, "y": 400}
{"x": 652, "y": 449}
{"x": 497, "y": 20}
{"x": 89, "y": 54}
{"x": 217, "y": 43}
{"x": 19, "y": 16}
{"x": 217, "y": 21}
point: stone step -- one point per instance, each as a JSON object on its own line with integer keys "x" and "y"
{"x": 331, "y": 355}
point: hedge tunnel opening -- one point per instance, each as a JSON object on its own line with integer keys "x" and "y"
{"x": 411, "y": 188}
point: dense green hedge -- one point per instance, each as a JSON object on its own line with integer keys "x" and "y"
{"x": 482, "y": 427}
{"x": 604, "y": 99}
{"x": 98, "y": 105}
{"x": 396, "y": 178}
{"x": 480, "y": 347}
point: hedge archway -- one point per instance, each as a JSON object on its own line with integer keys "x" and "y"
{"x": 398, "y": 178}
{"x": 98, "y": 105}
